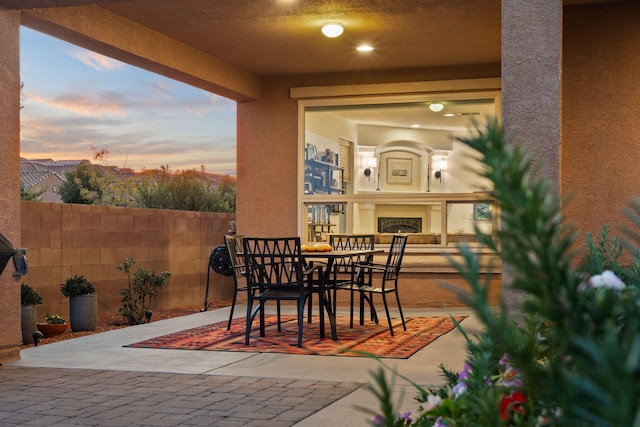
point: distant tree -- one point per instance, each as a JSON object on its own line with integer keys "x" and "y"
{"x": 188, "y": 190}
{"x": 83, "y": 185}
{"x": 226, "y": 195}
{"x": 185, "y": 190}
{"x": 30, "y": 196}
{"x": 122, "y": 192}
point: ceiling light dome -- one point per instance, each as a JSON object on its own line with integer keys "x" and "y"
{"x": 332, "y": 30}
{"x": 364, "y": 48}
{"x": 436, "y": 107}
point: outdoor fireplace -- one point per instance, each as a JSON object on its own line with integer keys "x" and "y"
{"x": 399, "y": 225}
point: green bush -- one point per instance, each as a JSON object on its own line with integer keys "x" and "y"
{"x": 29, "y": 296}
{"x": 569, "y": 355}
{"x": 138, "y": 295}
{"x": 76, "y": 285}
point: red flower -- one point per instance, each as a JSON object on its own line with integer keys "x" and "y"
{"x": 512, "y": 403}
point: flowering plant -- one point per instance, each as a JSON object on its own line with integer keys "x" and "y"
{"x": 569, "y": 355}
{"x": 54, "y": 319}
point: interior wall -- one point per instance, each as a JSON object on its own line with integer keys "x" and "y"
{"x": 601, "y": 107}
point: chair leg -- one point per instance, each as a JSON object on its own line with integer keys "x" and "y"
{"x": 300, "y": 321}
{"x": 310, "y": 304}
{"x": 262, "y": 331}
{"x": 351, "y": 311}
{"x": 386, "y": 309}
{"x": 368, "y": 298}
{"x": 233, "y": 305}
{"x": 400, "y": 310}
{"x": 278, "y": 311}
{"x": 372, "y": 310}
{"x": 250, "y": 315}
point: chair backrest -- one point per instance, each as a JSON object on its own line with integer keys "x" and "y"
{"x": 234, "y": 247}
{"x": 274, "y": 263}
{"x": 394, "y": 260}
{"x": 351, "y": 242}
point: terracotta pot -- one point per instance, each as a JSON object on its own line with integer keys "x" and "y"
{"x": 52, "y": 330}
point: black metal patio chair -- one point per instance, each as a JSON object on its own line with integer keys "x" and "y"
{"x": 343, "y": 271}
{"x": 365, "y": 273}
{"x": 275, "y": 271}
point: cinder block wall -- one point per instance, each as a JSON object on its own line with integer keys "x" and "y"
{"x": 67, "y": 239}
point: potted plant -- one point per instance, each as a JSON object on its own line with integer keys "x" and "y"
{"x": 55, "y": 325}
{"x": 83, "y": 303}
{"x": 29, "y": 298}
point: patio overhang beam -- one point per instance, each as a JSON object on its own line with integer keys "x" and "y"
{"x": 104, "y": 32}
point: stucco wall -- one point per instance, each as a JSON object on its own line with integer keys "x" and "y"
{"x": 66, "y": 239}
{"x": 601, "y": 106}
{"x": 9, "y": 176}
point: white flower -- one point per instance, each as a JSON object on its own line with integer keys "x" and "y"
{"x": 459, "y": 389}
{"x": 432, "y": 402}
{"x": 607, "y": 279}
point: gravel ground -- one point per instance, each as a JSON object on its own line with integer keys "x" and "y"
{"x": 116, "y": 321}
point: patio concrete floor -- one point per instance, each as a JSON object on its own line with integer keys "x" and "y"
{"x": 95, "y": 381}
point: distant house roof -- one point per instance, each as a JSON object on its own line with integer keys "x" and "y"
{"x": 59, "y": 167}
{"x": 29, "y": 179}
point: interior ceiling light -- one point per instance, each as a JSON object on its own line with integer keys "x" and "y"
{"x": 364, "y": 48}
{"x": 332, "y": 30}
{"x": 415, "y": 126}
{"x": 449, "y": 115}
{"x": 436, "y": 107}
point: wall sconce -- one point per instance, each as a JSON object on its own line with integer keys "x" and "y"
{"x": 441, "y": 165}
{"x": 370, "y": 163}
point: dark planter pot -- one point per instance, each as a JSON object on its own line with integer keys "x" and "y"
{"x": 28, "y": 323}
{"x": 83, "y": 312}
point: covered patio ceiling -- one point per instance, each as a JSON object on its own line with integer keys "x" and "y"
{"x": 246, "y": 40}
{"x": 276, "y": 37}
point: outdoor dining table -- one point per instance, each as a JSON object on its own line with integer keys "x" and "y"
{"x": 328, "y": 258}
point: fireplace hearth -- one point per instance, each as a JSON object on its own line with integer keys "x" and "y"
{"x": 399, "y": 225}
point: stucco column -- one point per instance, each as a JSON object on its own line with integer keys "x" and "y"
{"x": 10, "y": 338}
{"x": 531, "y": 88}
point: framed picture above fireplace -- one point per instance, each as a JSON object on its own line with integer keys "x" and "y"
{"x": 399, "y": 171}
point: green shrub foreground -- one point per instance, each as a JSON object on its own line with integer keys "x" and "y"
{"x": 569, "y": 355}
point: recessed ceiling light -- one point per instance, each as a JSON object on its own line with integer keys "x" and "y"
{"x": 332, "y": 30}
{"x": 449, "y": 115}
{"x": 365, "y": 48}
{"x": 415, "y": 126}
{"x": 436, "y": 107}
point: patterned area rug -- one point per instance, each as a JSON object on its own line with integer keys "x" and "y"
{"x": 362, "y": 340}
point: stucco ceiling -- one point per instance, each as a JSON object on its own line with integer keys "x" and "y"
{"x": 277, "y": 37}
{"x": 273, "y": 37}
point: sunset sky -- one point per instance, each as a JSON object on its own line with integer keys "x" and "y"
{"x": 76, "y": 99}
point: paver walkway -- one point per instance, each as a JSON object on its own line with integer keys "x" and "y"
{"x": 97, "y": 380}
{"x": 81, "y": 397}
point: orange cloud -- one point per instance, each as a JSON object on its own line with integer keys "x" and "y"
{"x": 93, "y": 106}
{"x": 96, "y": 61}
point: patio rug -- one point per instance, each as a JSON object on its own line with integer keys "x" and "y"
{"x": 362, "y": 340}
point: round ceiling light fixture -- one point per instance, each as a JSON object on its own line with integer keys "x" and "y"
{"x": 332, "y": 30}
{"x": 436, "y": 107}
{"x": 364, "y": 48}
